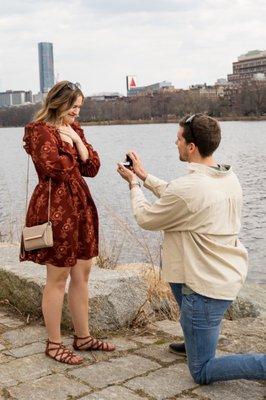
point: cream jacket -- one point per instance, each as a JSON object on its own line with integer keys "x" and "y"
{"x": 200, "y": 215}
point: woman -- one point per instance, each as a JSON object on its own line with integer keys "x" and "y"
{"x": 60, "y": 151}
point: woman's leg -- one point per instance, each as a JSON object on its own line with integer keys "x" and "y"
{"x": 52, "y": 303}
{"x": 78, "y": 302}
{"x": 78, "y": 297}
{"x": 52, "y": 300}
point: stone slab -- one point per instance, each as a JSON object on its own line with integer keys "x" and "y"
{"x": 29, "y": 334}
{"x": 27, "y": 350}
{"x": 160, "y": 353}
{"x": 114, "y": 371}
{"x": 4, "y": 358}
{"x": 3, "y": 313}
{"x": 233, "y": 390}
{"x": 244, "y": 335}
{"x": 28, "y": 368}
{"x": 163, "y": 383}
{"x": 88, "y": 356}
{"x": 114, "y": 393}
{"x": 122, "y": 344}
{"x": 144, "y": 339}
{"x": 115, "y": 296}
{"x": 172, "y": 328}
{"x": 52, "y": 387}
{"x": 11, "y": 322}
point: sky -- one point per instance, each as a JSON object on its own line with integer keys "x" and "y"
{"x": 98, "y": 42}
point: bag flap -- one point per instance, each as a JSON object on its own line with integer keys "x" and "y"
{"x": 34, "y": 232}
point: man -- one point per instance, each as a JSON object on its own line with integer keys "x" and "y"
{"x": 202, "y": 255}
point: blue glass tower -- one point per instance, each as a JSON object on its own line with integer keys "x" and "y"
{"x": 46, "y": 66}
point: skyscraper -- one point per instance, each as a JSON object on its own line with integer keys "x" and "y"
{"x": 46, "y": 66}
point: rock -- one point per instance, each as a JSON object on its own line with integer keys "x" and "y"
{"x": 160, "y": 295}
{"x": 116, "y": 297}
{"x": 251, "y": 302}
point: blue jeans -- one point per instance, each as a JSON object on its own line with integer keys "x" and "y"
{"x": 200, "y": 319}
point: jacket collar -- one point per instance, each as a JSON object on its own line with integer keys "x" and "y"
{"x": 206, "y": 170}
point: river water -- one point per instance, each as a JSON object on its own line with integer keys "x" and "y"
{"x": 243, "y": 146}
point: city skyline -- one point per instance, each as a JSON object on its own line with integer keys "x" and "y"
{"x": 184, "y": 42}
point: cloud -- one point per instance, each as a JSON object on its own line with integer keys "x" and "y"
{"x": 98, "y": 42}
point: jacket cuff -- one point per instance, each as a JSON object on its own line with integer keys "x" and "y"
{"x": 151, "y": 181}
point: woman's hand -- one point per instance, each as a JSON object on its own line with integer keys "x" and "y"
{"x": 137, "y": 165}
{"x": 126, "y": 173}
{"x": 69, "y": 132}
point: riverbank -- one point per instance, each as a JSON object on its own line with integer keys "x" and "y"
{"x": 147, "y": 121}
{"x": 164, "y": 121}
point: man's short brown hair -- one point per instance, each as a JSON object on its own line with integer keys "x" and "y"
{"x": 203, "y": 131}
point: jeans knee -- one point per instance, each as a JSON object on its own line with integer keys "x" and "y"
{"x": 199, "y": 376}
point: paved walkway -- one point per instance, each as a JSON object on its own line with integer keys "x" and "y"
{"x": 140, "y": 369}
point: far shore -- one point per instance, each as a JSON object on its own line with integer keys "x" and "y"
{"x": 166, "y": 121}
{"x": 153, "y": 121}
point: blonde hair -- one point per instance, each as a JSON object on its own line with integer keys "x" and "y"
{"x": 59, "y": 99}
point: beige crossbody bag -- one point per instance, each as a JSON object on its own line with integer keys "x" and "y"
{"x": 38, "y": 236}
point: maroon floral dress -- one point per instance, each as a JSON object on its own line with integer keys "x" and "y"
{"x": 73, "y": 213}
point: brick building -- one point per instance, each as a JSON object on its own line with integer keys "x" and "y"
{"x": 249, "y": 66}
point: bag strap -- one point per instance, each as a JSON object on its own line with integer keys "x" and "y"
{"x": 27, "y": 192}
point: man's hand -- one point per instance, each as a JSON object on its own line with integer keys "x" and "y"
{"x": 137, "y": 165}
{"x": 126, "y": 173}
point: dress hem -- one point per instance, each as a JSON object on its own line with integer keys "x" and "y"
{"x": 60, "y": 266}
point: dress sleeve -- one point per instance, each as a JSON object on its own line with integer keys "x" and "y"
{"x": 52, "y": 161}
{"x": 91, "y": 166}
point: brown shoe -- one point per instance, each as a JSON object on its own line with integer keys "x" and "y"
{"x": 62, "y": 354}
{"x": 92, "y": 344}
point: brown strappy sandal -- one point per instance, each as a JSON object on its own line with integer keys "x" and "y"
{"x": 92, "y": 344}
{"x": 62, "y": 354}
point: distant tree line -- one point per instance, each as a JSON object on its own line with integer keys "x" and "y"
{"x": 249, "y": 100}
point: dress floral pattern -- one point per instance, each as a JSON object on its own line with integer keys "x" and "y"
{"x": 73, "y": 212}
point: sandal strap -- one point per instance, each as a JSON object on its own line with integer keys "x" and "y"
{"x": 93, "y": 343}
{"x": 88, "y": 342}
{"x": 62, "y": 353}
{"x": 86, "y": 337}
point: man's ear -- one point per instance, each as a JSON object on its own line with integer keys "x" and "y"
{"x": 191, "y": 147}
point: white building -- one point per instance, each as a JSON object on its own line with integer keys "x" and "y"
{"x": 15, "y": 98}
